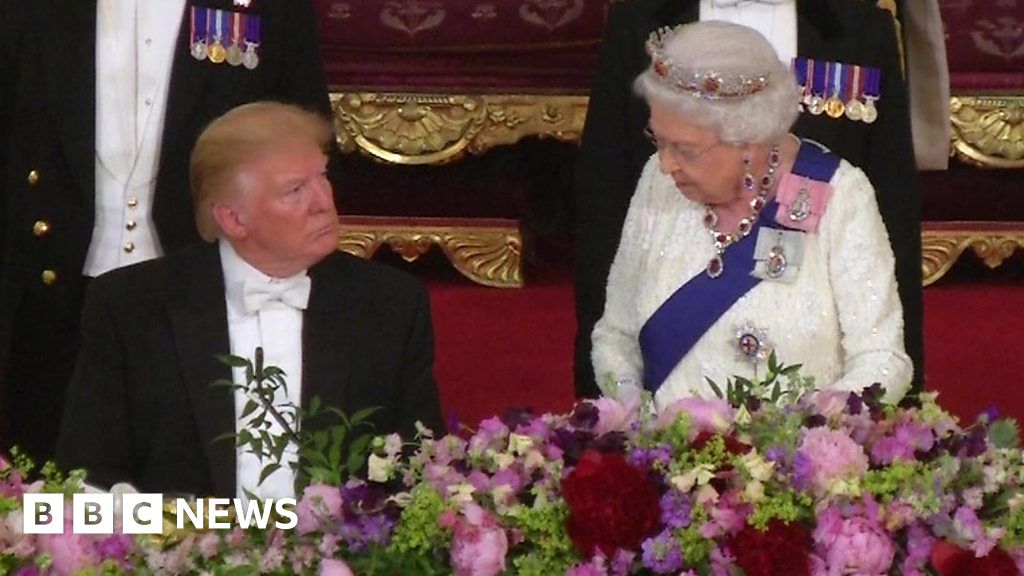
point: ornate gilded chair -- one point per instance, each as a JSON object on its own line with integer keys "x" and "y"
{"x": 421, "y": 83}
{"x": 979, "y": 202}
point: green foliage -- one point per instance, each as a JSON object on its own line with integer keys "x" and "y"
{"x": 330, "y": 452}
{"x": 785, "y": 505}
{"x": 551, "y": 550}
{"x": 418, "y": 532}
{"x": 781, "y": 385}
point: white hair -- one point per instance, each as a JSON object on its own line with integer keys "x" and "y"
{"x": 730, "y": 50}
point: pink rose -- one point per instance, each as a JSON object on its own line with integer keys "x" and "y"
{"x": 319, "y": 505}
{"x": 330, "y": 567}
{"x": 834, "y": 457}
{"x": 854, "y": 545}
{"x": 714, "y": 416}
{"x": 479, "y": 544}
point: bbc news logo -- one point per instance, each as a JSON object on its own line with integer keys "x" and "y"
{"x": 144, "y": 513}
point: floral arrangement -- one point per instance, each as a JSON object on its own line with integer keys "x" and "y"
{"x": 759, "y": 482}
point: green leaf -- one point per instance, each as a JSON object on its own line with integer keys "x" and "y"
{"x": 267, "y": 471}
{"x": 364, "y": 414}
{"x": 314, "y": 405}
{"x": 250, "y": 407}
{"x": 714, "y": 387}
{"x": 357, "y": 454}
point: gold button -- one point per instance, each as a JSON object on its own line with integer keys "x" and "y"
{"x": 41, "y": 228}
{"x": 33, "y": 177}
{"x": 129, "y": 246}
{"x": 133, "y": 201}
{"x": 49, "y": 277}
{"x": 130, "y": 225}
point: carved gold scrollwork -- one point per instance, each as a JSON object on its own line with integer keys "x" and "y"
{"x": 488, "y": 255}
{"x": 940, "y": 248}
{"x": 435, "y": 129}
{"x": 988, "y": 131}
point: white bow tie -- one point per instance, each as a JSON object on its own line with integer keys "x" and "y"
{"x": 292, "y": 291}
{"x": 730, "y": 3}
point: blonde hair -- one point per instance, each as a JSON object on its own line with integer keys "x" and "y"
{"x": 729, "y": 50}
{"x": 240, "y": 136}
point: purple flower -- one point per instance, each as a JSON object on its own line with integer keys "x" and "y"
{"x": 675, "y": 509}
{"x": 116, "y": 547}
{"x": 918, "y": 551}
{"x": 907, "y": 439}
{"x": 662, "y": 554}
{"x": 584, "y": 415}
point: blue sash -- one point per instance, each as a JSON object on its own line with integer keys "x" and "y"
{"x": 680, "y": 321}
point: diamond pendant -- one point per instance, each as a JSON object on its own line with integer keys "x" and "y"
{"x": 715, "y": 266}
{"x": 800, "y": 209}
{"x": 777, "y": 263}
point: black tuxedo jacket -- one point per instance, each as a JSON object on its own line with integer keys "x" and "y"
{"x": 614, "y": 149}
{"x": 48, "y": 126}
{"x": 140, "y": 407}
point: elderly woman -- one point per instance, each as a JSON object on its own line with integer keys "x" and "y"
{"x": 742, "y": 239}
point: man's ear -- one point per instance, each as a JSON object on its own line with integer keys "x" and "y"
{"x": 230, "y": 220}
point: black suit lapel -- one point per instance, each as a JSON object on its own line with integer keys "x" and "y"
{"x": 820, "y": 32}
{"x": 330, "y": 326}
{"x": 674, "y": 13}
{"x": 199, "y": 319}
{"x": 69, "y": 55}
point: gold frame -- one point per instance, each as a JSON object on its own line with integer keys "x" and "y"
{"x": 419, "y": 128}
{"x": 487, "y": 251}
{"x": 942, "y": 243}
{"x": 988, "y": 131}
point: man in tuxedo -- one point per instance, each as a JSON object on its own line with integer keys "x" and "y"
{"x": 356, "y": 334}
{"x": 100, "y": 104}
{"x": 614, "y": 148}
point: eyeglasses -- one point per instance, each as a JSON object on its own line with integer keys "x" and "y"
{"x": 680, "y": 154}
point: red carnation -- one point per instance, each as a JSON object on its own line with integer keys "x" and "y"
{"x": 960, "y": 561}
{"x": 612, "y": 505}
{"x": 781, "y": 550}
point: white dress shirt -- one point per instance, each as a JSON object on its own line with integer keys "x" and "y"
{"x": 775, "y": 21}
{"x": 135, "y": 42}
{"x": 277, "y": 328}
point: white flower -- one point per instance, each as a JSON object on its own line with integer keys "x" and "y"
{"x": 699, "y": 475}
{"x": 760, "y": 469}
{"x": 461, "y": 493}
{"x": 380, "y": 469}
{"x": 519, "y": 444}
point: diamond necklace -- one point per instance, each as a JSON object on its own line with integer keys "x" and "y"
{"x": 722, "y": 240}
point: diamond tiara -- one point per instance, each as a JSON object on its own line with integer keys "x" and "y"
{"x": 706, "y": 84}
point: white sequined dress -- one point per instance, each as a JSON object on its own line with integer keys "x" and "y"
{"x": 841, "y": 318}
